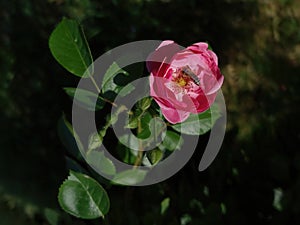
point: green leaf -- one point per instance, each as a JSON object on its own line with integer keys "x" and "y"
{"x": 145, "y": 120}
{"x": 129, "y": 140}
{"x": 95, "y": 141}
{"x": 209, "y": 46}
{"x": 99, "y": 161}
{"x": 185, "y": 219}
{"x": 207, "y": 119}
{"x": 130, "y": 177}
{"x": 152, "y": 127}
{"x": 69, "y": 47}
{"x": 277, "y": 201}
{"x": 66, "y": 135}
{"x": 52, "y": 216}
{"x": 109, "y": 84}
{"x": 152, "y": 130}
{"x": 172, "y": 141}
{"x": 155, "y": 156}
{"x": 87, "y": 99}
{"x": 164, "y": 205}
{"x": 133, "y": 123}
{"x": 145, "y": 103}
{"x": 83, "y": 197}
{"x": 74, "y": 166}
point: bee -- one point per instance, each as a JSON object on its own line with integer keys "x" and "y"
{"x": 186, "y": 70}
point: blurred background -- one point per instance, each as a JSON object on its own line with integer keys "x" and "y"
{"x": 255, "y": 179}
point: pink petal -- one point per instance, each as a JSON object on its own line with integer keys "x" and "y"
{"x": 164, "y": 43}
{"x": 174, "y": 115}
{"x": 162, "y": 55}
{"x": 198, "y": 47}
{"x": 214, "y": 56}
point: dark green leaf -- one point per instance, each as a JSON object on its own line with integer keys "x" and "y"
{"x": 172, "y": 141}
{"x": 152, "y": 127}
{"x": 109, "y": 84}
{"x": 52, "y": 216}
{"x": 130, "y": 141}
{"x": 155, "y": 156}
{"x": 145, "y": 119}
{"x": 69, "y": 47}
{"x": 73, "y": 165}
{"x": 83, "y": 197}
{"x": 133, "y": 123}
{"x": 86, "y": 99}
{"x": 66, "y": 134}
{"x": 130, "y": 177}
{"x": 198, "y": 124}
{"x": 100, "y": 162}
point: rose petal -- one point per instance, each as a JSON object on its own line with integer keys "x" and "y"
{"x": 164, "y": 43}
{"x": 203, "y": 102}
{"x": 198, "y": 47}
{"x": 195, "y": 61}
{"x": 160, "y": 58}
{"x": 214, "y": 56}
{"x": 216, "y": 86}
{"x": 174, "y": 115}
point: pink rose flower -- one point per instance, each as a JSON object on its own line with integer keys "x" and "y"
{"x": 183, "y": 81}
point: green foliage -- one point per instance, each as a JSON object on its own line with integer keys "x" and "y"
{"x": 68, "y": 138}
{"x": 172, "y": 141}
{"x": 198, "y": 124}
{"x": 83, "y": 197}
{"x": 164, "y": 205}
{"x": 255, "y": 178}
{"x": 101, "y": 163}
{"x": 70, "y": 48}
{"x": 86, "y": 99}
{"x": 129, "y": 177}
{"x": 154, "y": 156}
{"x": 108, "y": 83}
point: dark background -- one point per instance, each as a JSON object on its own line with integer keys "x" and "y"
{"x": 255, "y": 178}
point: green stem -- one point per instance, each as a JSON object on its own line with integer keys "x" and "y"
{"x": 99, "y": 91}
{"x": 140, "y": 151}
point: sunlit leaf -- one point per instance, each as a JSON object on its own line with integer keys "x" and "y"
{"x": 198, "y": 124}
{"x": 145, "y": 103}
{"x": 164, "y": 205}
{"x": 155, "y": 156}
{"x": 95, "y": 141}
{"x": 69, "y": 47}
{"x": 83, "y": 197}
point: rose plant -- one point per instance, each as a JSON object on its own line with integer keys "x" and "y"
{"x": 183, "y": 83}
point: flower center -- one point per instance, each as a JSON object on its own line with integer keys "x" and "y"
{"x": 184, "y": 77}
{"x": 181, "y": 81}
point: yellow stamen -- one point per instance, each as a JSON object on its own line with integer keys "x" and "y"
{"x": 181, "y": 81}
